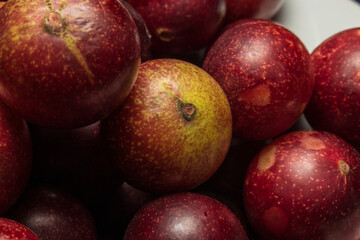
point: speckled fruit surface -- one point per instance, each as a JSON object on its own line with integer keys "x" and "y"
{"x": 12, "y": 230}
{"x": 66, "y": 63}
{"x": 266, "y": 73}
{"x": 187, "y": 216}
{"x": 334, "y": 106}
{"x": 181, "y": 26}
{"x": 53, "y": 214}
{"x": 173, "y": 131}
{"x": 303, "y": 185}
{"x": 15, "y": 157}
{"x": 262, "y": 9}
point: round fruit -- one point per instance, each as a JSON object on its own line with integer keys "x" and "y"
{"x": 15, "y": 157}
{"x": 173, "y": 131}
{"x": 266, "y": 73}
{"x": 10, "y": 229}
{"x": 181, "y": 26}
{"x": 334, "y": 105}
{"x": 185, "y": 216}
{"x": 66, "y": 63}
{"x": 303, "y": 185}
{"x": 262, "y": 9}
{"x": 53, "y": 214}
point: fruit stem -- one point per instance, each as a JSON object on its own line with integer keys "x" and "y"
{"x": 187, "y": 110}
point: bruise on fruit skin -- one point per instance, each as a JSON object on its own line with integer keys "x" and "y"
{"x": 259, "y": 95}
{"x": 266, "y": 158}
{"x": 311, "y": 142}
{"x": 275, "y": 220}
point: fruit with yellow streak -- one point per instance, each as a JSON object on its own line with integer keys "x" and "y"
{"x": 66, "y": 63}
{"x": 174, "y": 129}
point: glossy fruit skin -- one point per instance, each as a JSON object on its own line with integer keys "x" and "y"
{"x": 303, "y": 185}
{"x": 10, "y": 229}
{"x": 260, "y": 9}
{"x": 53, "y": 214}
{"x": 181, "y": 26}
{"x": 15, "y": 157}
{"x": 266, "y": 73}
{"x": 154, "y": 145}
{"x": 334, "y": 105}
{"x": 69, "y": 75}
{"x": 144, "y": 34}
{"x": 185, "y": 216}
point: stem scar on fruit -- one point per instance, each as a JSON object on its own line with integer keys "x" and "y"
{"x": 187, "y": 110}
{"x": 344, "y": 167}
{"x": 55, "y": 23}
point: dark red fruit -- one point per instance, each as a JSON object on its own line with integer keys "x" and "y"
{"x": 12, "y": 230}
{"x": 68, "y": 63}
{"x": 262, "y": 9}
{"x": 266, "y": 73}
{"x": 53, "y": 214}
{"x": 181, "y": 26}
{"x": 15, "y": 157}
{"x": 303, "y": 185}
{"x": 145, "y": 37}
{"x": 185, "y": 216}
{"x": 334, "y": 105}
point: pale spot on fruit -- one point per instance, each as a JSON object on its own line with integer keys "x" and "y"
{"x": 165, "y": 34}
{"x": 312, "y": 143}
{"x": 259, "y": 95}
{"x": 358, "y": 32}
{"x": 266, "y": 158}
{"x": 275, "y": 220}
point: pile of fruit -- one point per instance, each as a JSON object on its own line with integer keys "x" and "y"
{"x": 178, "y": 119}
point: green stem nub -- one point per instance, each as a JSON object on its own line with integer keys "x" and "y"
{"x": 187, "y": 110}
{"x": 54, "y": 23}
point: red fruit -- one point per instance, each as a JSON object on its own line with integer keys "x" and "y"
{"x": 145, "y": 37}
{"x": 15, "y": 157}
{"x": 66, "y": 63}
{"x": 53, "y": 214}
{"x": 334, "y": 105}
{"x": 181, "y": 26}
{"x": 240, "y": 9}
{"x": 12, "y": 230}
{"x": 303, "y": 185}
{"x": 173, "y": 130}
{"x": 266, "y": 73}
{"x": 185, "y": 216}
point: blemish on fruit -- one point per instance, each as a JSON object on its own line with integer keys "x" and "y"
{"x": 165, "y": 34}
{"x": 344, "y": 167}
{"x": 259, "y": 95}
{"x": 266, "y": 158}
{"x": 54, "y": 23}
{"x": 187, "y": 110}
{"x": 275, "y": 220}
{"x": 312, "y": 143}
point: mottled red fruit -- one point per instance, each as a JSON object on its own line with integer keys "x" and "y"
{"x": 145, "y": 36}
{"x": 334, "y": 105}
{"x": 173, "y": 130}
{"x": 53, "y": 214}
{"x": 12, "y": 230}
{"x": 181, "y": 26}
{"x": 67, "y": 63}
{"x": 261, "y": 9}
{"x": 15, "y": 157}
{"x": 266, "y": 73}
{"x": 303, "y": 185}
{"x": 185, "y": 216}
